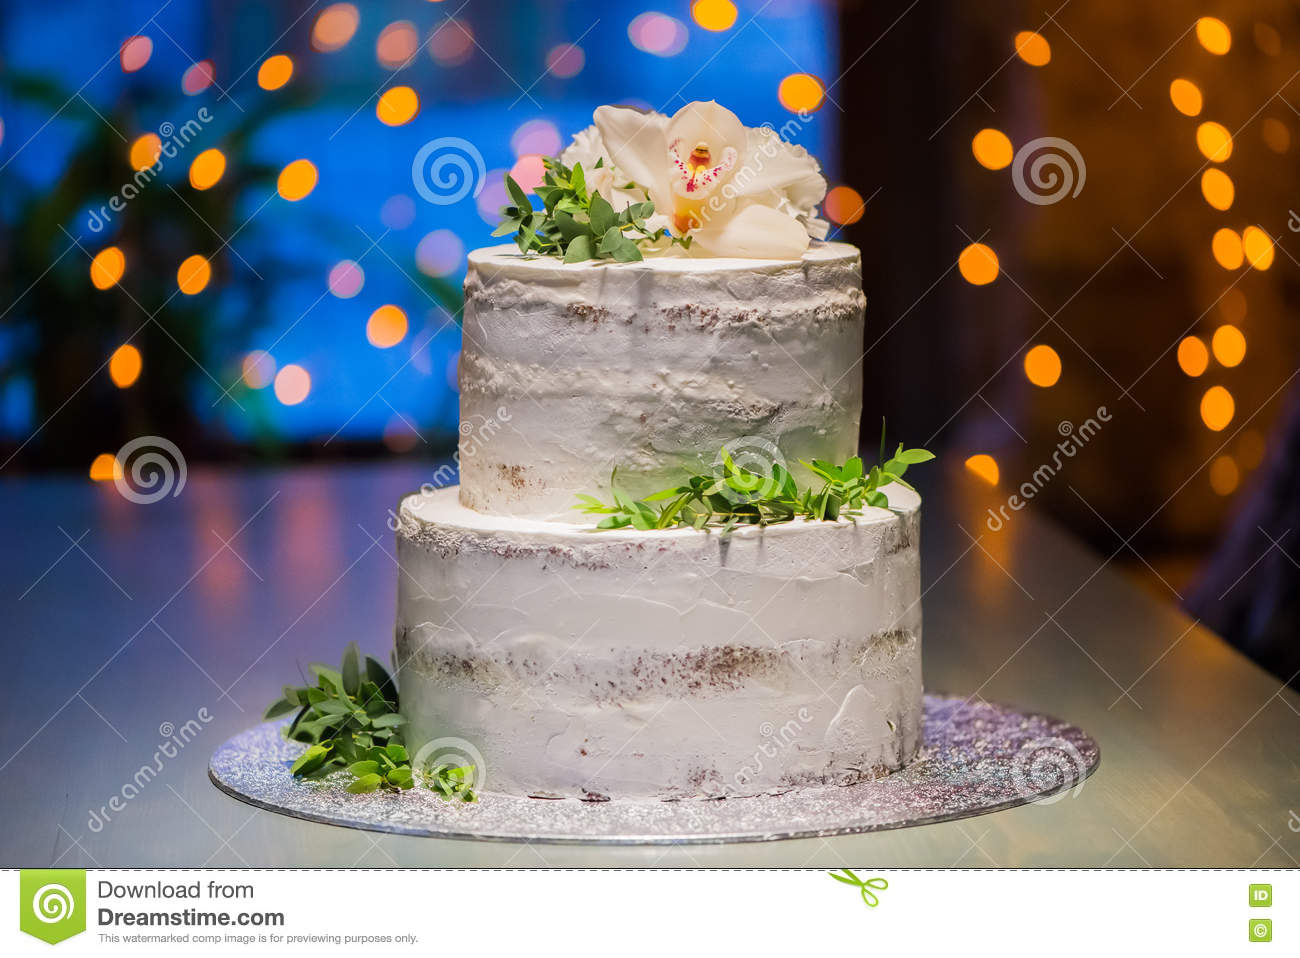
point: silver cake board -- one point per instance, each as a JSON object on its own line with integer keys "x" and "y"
{"x": 978, "y": 757}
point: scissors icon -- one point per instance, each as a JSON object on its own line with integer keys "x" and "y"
{"x": 865, "y": 887}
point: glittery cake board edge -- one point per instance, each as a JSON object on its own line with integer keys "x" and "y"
{"x": 978, "y": 757}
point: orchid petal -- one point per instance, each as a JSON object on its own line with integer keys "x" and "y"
{"x": 755, "y": 232}
{"x": 707, "y": 122}
{"x": 637, "y": 146}
{"x": 774, "y": 166}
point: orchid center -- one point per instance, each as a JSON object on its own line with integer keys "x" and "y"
{"x": 697, "y": 173}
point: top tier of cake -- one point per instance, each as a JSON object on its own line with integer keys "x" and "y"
{"x": 569, "y": 370}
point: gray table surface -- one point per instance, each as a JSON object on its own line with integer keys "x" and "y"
{"x": 121, "y": 618}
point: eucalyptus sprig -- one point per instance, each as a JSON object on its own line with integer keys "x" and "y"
{"x": 738, "y": 496}
{"x": 575, "y": 223}
{"x": 349, "y": 719}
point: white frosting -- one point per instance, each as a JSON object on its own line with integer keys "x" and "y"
{"x": 670, "y": 664}
{"x": 569, "y": 370}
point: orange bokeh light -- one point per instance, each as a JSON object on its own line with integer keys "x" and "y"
{"x": 145, "y": 151}
{"x": 105, "y": 468}
{"x": 1186, "y": 97}
{"x": 275, "y": 72}
{"x": 1226, "y": 247}
{"x": 397, "y": 106}
{"x": 1217, "y": 408}
{"x": 1193, "y": 357}
{"x": 1214, "y": 35}
{"x": 107, "y": 267}
{"x": 1033, "y": 48}
{"x": 297, "y": 180}
{"x": 124, "y": 366}
{"x": 1217, "y": 188}
{"x": 207, "y": 169}
{"x": 844, "y": 205}
{"x": 1043, "y": 366}
{"x": 715, "y": 15}
{"x": 978, "y": 264}
{"x": 1214, "y": 141}
{"x": 984, "y": 466}
{"x": 193, "y": 275}
{"x": 992, "y": 149}
{"x": 1257, "y": 247}
{"x": 801, "y": 93}
{"x": 1229, "y": 345}
{"x": 386, "y": 327}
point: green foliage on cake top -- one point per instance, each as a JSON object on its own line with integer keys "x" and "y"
{"x": 349, "y": 720}
{"x": 576, "y": 224}
{"x": 732, "y": 495}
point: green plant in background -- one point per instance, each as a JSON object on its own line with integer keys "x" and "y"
{"x": 349, "y": 720}
{"x": 59, "y": 330}
{"x": 737, "y": 496}
{"x": 576, "y": 224}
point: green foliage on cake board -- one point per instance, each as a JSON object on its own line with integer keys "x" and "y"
{"x": 349, "y": 720}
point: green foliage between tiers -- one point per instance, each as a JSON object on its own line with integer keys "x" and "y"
{"x": 575, "y": 224}
{"x": 349, "y": 719}
{"x": 738, "y": 496}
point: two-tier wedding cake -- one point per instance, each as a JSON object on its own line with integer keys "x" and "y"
{"x": 666, "y": 313}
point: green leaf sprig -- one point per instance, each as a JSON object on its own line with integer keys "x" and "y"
{"x": 739, "y": 496}
{"x": 575, "y": 223}
{"x": 349, "y": 719}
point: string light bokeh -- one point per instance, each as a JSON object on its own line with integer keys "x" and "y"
{"x": 353, "y": 91}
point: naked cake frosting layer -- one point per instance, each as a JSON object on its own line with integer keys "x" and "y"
{"x": 568, "y": 370}
{"x": 668, "y": 664}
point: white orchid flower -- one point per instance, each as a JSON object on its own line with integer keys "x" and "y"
{"x": 734, "y": 190}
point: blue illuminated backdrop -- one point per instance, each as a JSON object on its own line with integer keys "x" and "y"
{"x": 299, "y": 352}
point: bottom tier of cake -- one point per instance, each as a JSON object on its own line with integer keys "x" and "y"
{"x": 674, "y": 664}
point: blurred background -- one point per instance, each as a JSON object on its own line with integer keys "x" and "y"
{"x": 243, "y": 225}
